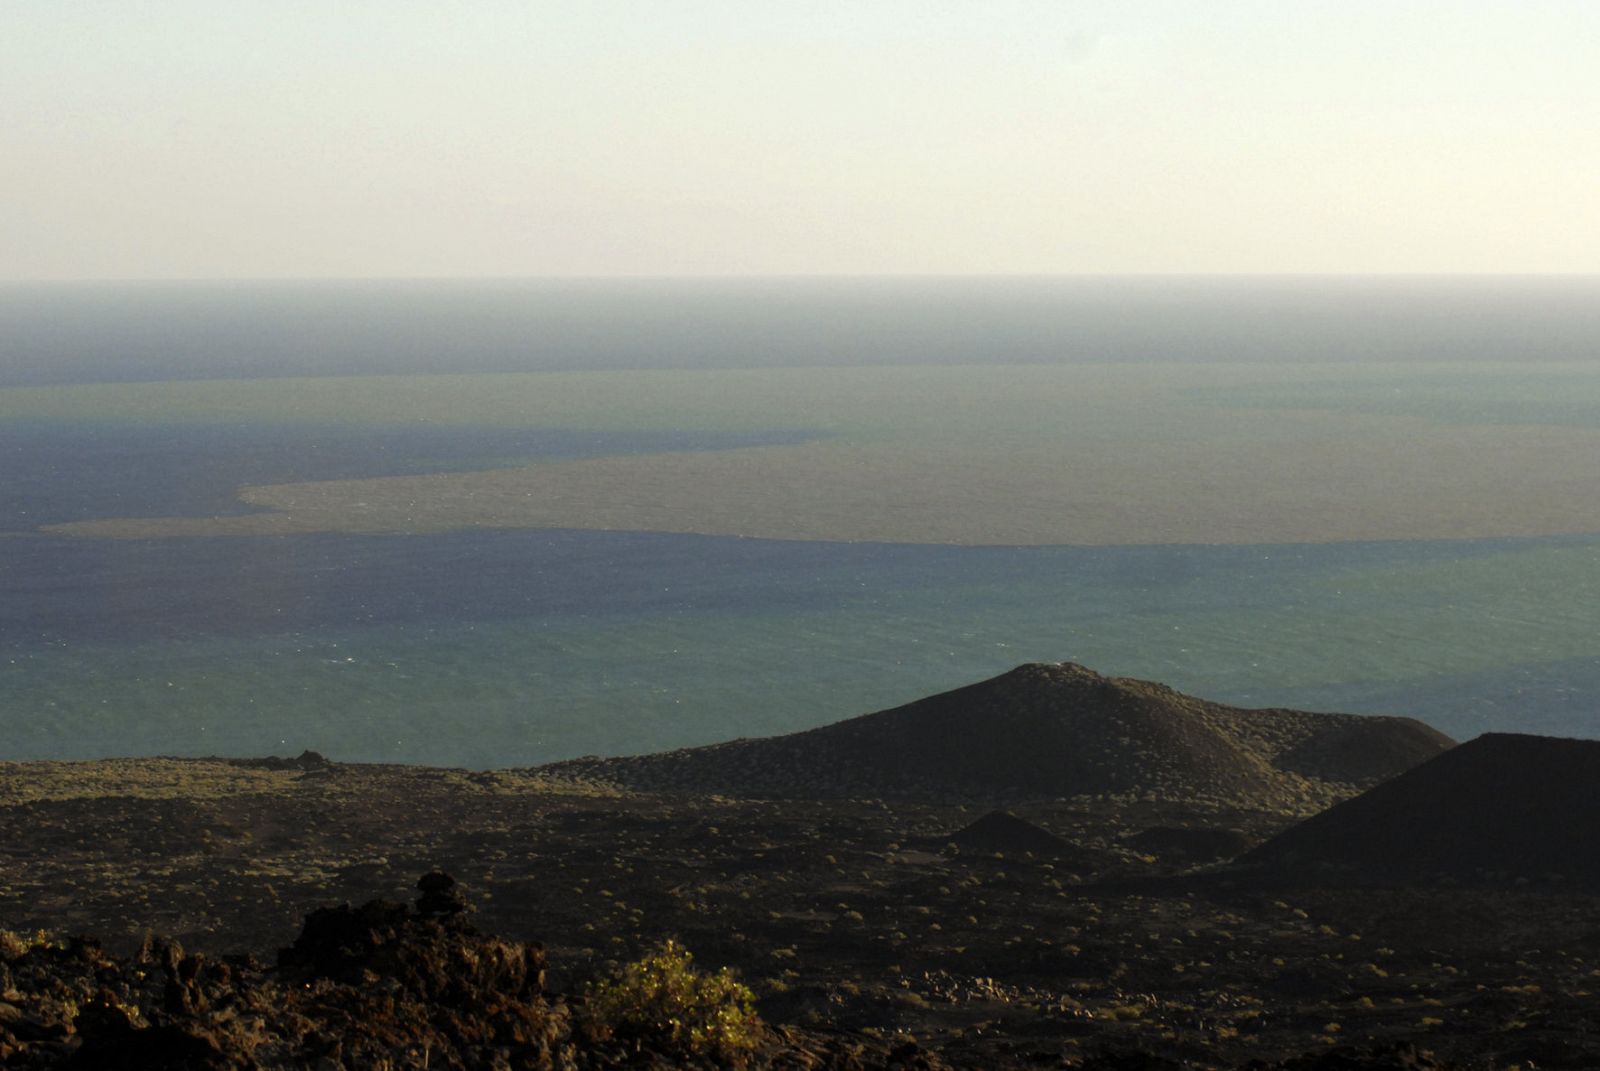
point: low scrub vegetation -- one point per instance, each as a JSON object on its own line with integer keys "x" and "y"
{"x": 665, "y": 1002}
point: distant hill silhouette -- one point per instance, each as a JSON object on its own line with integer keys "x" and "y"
{"x": 1498, "y": 808}
{"x": 1045, "y": 731}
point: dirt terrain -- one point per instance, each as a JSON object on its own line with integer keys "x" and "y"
{"x": 1104, "y": 930}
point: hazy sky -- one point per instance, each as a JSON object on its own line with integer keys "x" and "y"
{"x": 249, "y": 138}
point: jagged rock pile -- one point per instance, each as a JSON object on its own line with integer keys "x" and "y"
{"x": 306, "y": 760}
{"x": 1051, "y": 731}
{"x": 372, "y": 986}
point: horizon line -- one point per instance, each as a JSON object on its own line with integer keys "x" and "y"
{"x": 793, "y": 276}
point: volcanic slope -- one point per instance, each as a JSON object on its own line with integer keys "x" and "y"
{"x": 1499, "y": 808}
{"x": 1049, "y": 731}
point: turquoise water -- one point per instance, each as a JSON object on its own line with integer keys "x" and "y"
{"x": 495, "y": 648}
{"x": 512, "y": 648}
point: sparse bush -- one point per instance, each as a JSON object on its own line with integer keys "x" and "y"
{"x": 15, "y": 945}
{"x": 664, "y": 1001}
{"x": 12, "y": 946}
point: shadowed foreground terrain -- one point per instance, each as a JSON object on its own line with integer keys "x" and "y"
{"x": 979, "y": 928}
{"x": 385, "y": 985}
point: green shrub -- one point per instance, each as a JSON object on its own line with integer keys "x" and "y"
{"x": 665, "y": 1001}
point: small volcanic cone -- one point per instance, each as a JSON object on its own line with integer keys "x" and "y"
{"x": 1002, "y": 831}
{"x": 1500, "y": 808}
{"x": 1051, "y": 731}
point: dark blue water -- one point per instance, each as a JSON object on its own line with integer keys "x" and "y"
{"x": 67, "y": 472}
{"x": 70, "y": 591}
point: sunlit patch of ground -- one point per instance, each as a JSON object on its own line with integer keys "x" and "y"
{"x": 26, "y": 782}
{"x": 1080, "y": 454}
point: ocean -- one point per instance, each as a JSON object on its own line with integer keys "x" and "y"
{"x": 599, "y": 630}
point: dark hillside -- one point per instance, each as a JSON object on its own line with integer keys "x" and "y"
{"x": 1050, "y": 731}
{"x": 1501, "y": 807}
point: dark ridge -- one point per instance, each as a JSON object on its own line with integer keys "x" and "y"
{"x": 1046, "y": 731}
{"x": 1365, "y": 750}
{"x": 1500, "y": 808}
{"x": 306, "y": 760}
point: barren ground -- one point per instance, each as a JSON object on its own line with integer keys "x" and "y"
{"x": 844, "y": 915}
